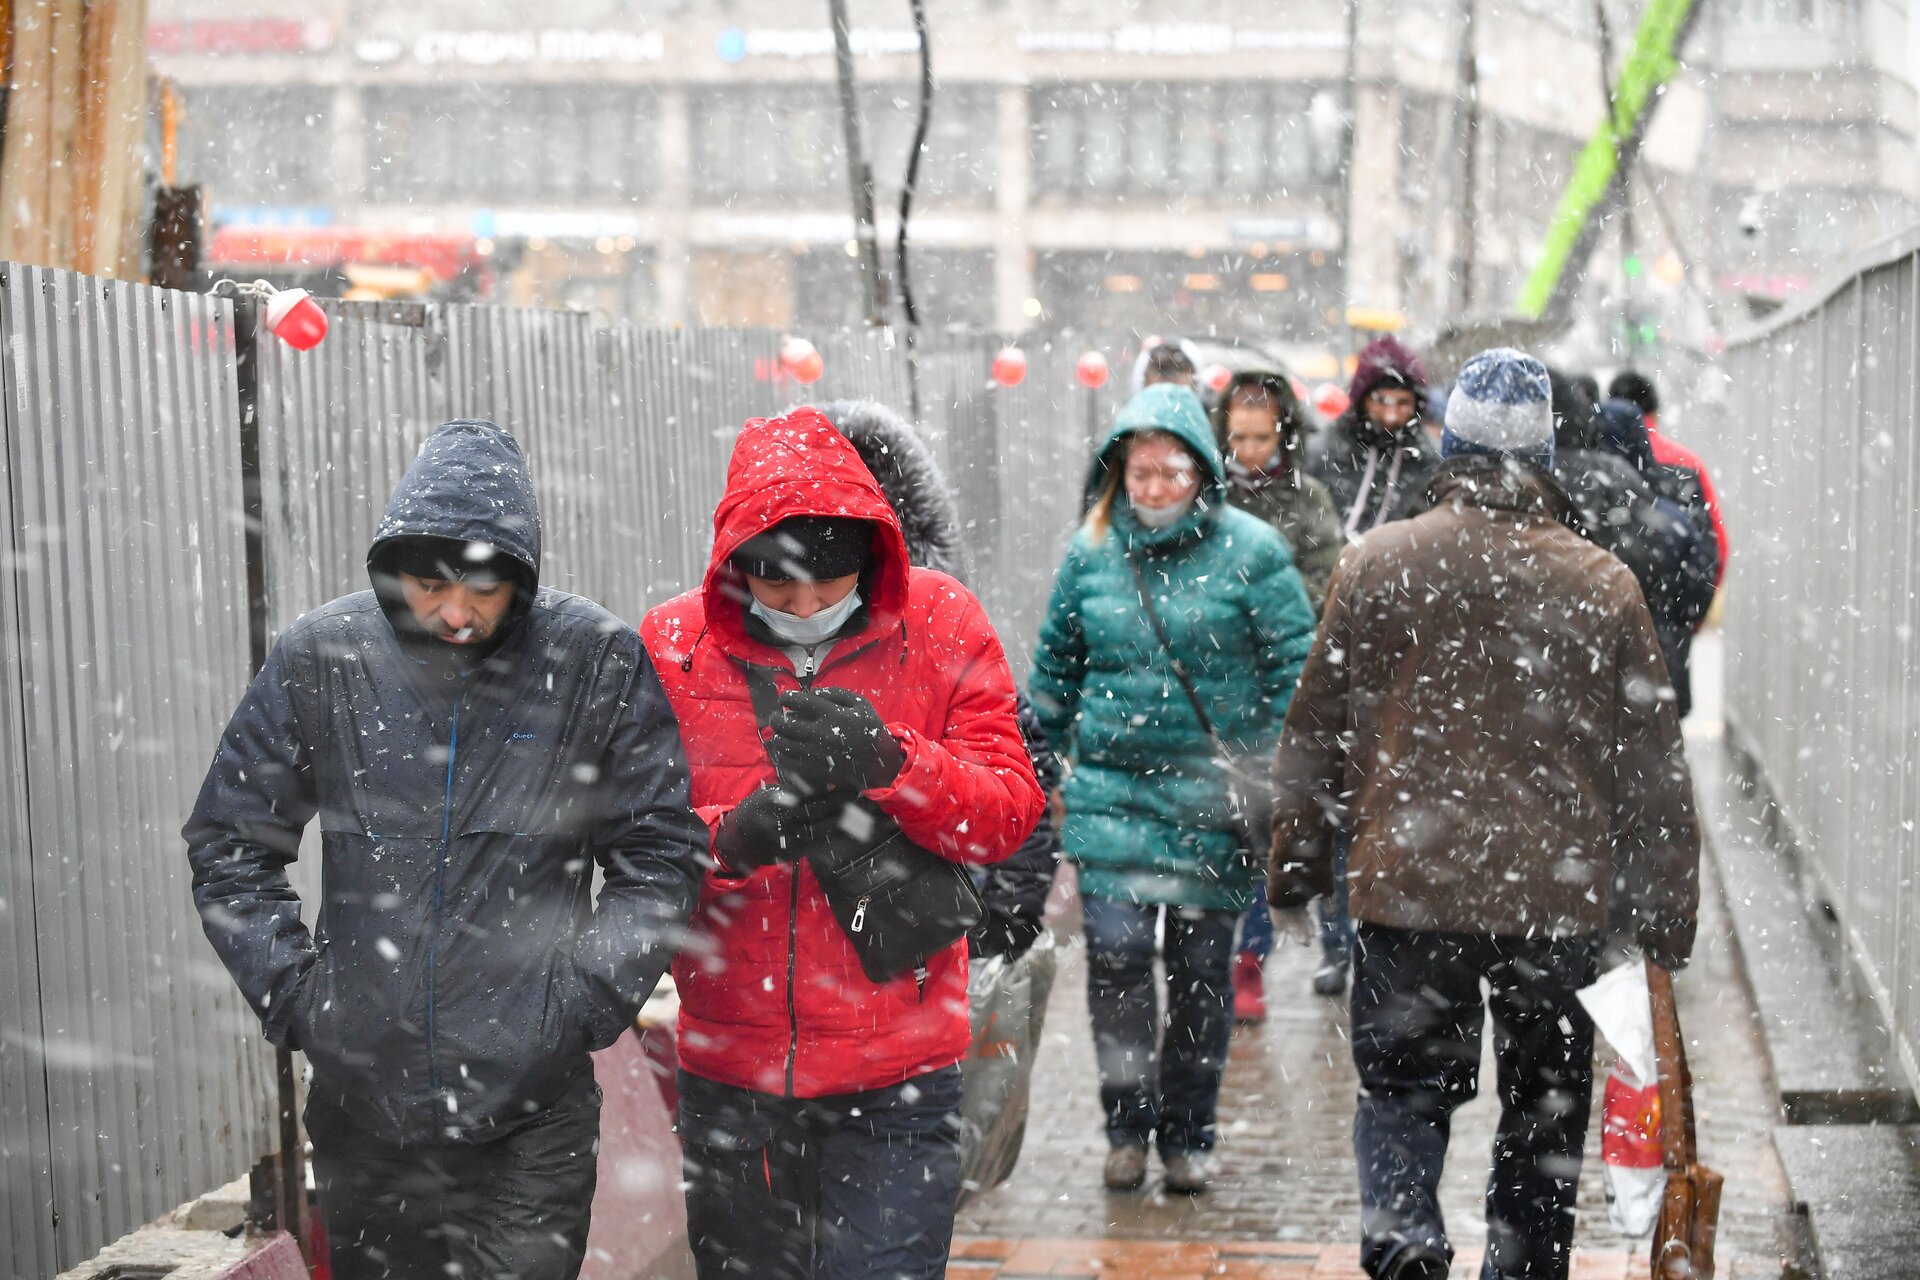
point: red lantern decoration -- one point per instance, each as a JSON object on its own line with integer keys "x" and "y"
{"x": 296, "y": 319}
{"x": 801, "y": 361}
{"x": 1010, "y": 366}
{"x": 1091, "y": 369}
{"x": 1329, "y": 401}
{"x": 1217, "y": 377}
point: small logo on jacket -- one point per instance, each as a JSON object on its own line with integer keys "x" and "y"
{"x": 520, "y": 737}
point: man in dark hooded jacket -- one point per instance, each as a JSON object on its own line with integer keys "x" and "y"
{"x": 1375, "y": 459}
{"x": 472, "y": 744}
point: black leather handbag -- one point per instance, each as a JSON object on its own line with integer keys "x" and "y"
{"x": 898, "y": 903}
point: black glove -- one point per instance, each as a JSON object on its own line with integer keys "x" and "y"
{"x": 833, "y": 739}
{"x": 1667, "y": 957}
{"x": 1003, "y": 934}
{"x": 772, "y": 825}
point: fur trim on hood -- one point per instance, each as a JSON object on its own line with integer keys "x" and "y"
{"x": 910, "y": 477}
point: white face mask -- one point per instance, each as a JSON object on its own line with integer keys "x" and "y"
{"x": 807, "y": 631}
{"x": 1161, "y": 517}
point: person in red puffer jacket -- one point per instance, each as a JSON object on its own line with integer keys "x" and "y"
{"x": 819, "y": 1110}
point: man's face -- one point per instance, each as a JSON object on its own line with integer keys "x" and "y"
{"x": 1391, "y": 408}
{"x": 800, "y": 597}
{"x": 1253, "y": 426}
{"x": 459, "y": 613}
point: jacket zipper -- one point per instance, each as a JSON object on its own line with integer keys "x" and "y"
{"x": 793, "y": 951}
{"x": 439, "y": 896}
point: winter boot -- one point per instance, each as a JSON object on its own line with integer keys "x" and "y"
{"x": 1249, "y": 988}
{"x": 1126, "y": 1168}
{"x": 1330, "y": 979}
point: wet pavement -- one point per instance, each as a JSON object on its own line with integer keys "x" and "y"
{"x": 1285, "y": 1202}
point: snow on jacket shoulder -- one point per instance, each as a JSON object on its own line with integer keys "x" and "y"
{"x": 772, "y": 994}
{"x": 458, "y": 976}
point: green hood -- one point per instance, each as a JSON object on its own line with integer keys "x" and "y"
{"x": 1176, "y": 411}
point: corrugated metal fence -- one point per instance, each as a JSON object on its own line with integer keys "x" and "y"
{"x": 131, "y": 1077}
{"x": 1819, "y": 468}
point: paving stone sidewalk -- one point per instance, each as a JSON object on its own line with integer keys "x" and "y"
{"x": 1285, "y": 1172}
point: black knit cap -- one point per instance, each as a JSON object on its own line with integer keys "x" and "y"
{"x": 447, "y": 559}
{"x": 813, "y": 548}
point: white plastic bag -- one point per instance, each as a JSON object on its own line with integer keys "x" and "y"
{"x": 1009, "y": 1005}
{"x": 1636, "y": 1178}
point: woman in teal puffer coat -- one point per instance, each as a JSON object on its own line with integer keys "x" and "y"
{"x": 1147, "y": 815}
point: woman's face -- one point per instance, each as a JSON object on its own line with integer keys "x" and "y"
{"x": 1160, "y": 472}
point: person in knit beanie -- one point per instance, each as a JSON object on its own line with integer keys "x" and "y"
{"x": 1484, "y": 720}
{"x": 1502, "y": 405}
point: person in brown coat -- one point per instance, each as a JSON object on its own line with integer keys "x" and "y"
{"x": 1485, "y": 714}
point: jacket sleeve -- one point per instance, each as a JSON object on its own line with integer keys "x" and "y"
{"x": 1015, "y": 892}
{"x": 1060, "y": 660}
{"x": 1282, "y": 619}
{"x": 1319, "y": 545}
{"x": 1311, "y": 765}
{"x": 651, "y": 847}
{"x": 970, "y": 795}
{"x": 244, "y": 830}
{"x": 1656, "y": 835}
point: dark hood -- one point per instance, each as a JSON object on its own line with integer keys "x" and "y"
{"x": 910, "y": 477}
{"x": 1576, "y": 424}
{"x": 1293, "y": 419}
{"x": 1623, "y": 431}
{"x": 470, "y": 483}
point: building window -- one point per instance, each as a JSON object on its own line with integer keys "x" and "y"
{"x": 260, "y": 145}
{"x": 774, "y": 143}
{"x": 1799, "y": 15}
{"x": 1270, "y": 296}
{"x": 506, "y": 143}
{"x": 1241, "y": 138}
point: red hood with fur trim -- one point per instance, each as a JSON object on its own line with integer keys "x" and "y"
{"x": 772, "y": 995}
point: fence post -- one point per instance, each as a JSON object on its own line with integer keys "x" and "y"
{"x": 286, "y": 1171}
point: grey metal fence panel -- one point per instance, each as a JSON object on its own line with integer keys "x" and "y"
{"x": 338, "y": 424}
{"x": 1823, "y": 680}
{"x": 126, "y": 611}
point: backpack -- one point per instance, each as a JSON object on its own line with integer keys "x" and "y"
{"x": 1692, "y": 593}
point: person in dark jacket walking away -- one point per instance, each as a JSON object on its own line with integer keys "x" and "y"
{"x": 819, "y": 1107}
{"x": 1149, "y": 817}
{"x": 1375, "y": 459}
{"x": 1260, "y": 428}
{"x": 1483, "y": 714}
{"x": 472, "y": 745}
{"x": 1638, "y": 389}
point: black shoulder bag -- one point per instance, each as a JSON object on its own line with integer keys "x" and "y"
{"x": 898, "y": 903}
{"x": 1249, "y": 790}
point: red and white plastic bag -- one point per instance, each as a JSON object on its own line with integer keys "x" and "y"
{"x": 1636, "y": 1178}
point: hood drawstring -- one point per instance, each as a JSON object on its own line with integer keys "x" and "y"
{"x": 1366, "y": 489}
{"x": 686, "y": 663}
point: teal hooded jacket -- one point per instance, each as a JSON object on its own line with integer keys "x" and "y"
{"x": 1147, "y": 815}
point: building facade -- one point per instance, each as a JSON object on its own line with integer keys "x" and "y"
{"x": 1089, "y": 164}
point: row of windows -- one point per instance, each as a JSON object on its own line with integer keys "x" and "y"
{"x": 1170, "y": 138}
{"x": 524, "y": 142}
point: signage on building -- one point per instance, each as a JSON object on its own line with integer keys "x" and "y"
{"x": 241, "y": 36}
{"x": 832, "y": 228}
{"x": 272, "y": 216}
{"x": 737, "y": 44}
{"x": 557, "y": 45}
{"x": 1179, "y": 40}
{"x": 1310, "y": 231}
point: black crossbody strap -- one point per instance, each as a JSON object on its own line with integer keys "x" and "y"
{"x": 1179, "y": 667}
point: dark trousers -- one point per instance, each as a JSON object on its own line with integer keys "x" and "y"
{"x": 858, "y": 1186}
{"x": 1171, "y": 1092}
{"x": 1417, "y": 1014}
{"x": 513, "y": 1209}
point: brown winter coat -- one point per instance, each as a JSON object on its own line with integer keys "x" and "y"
{"x": 1485, "y": 709}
